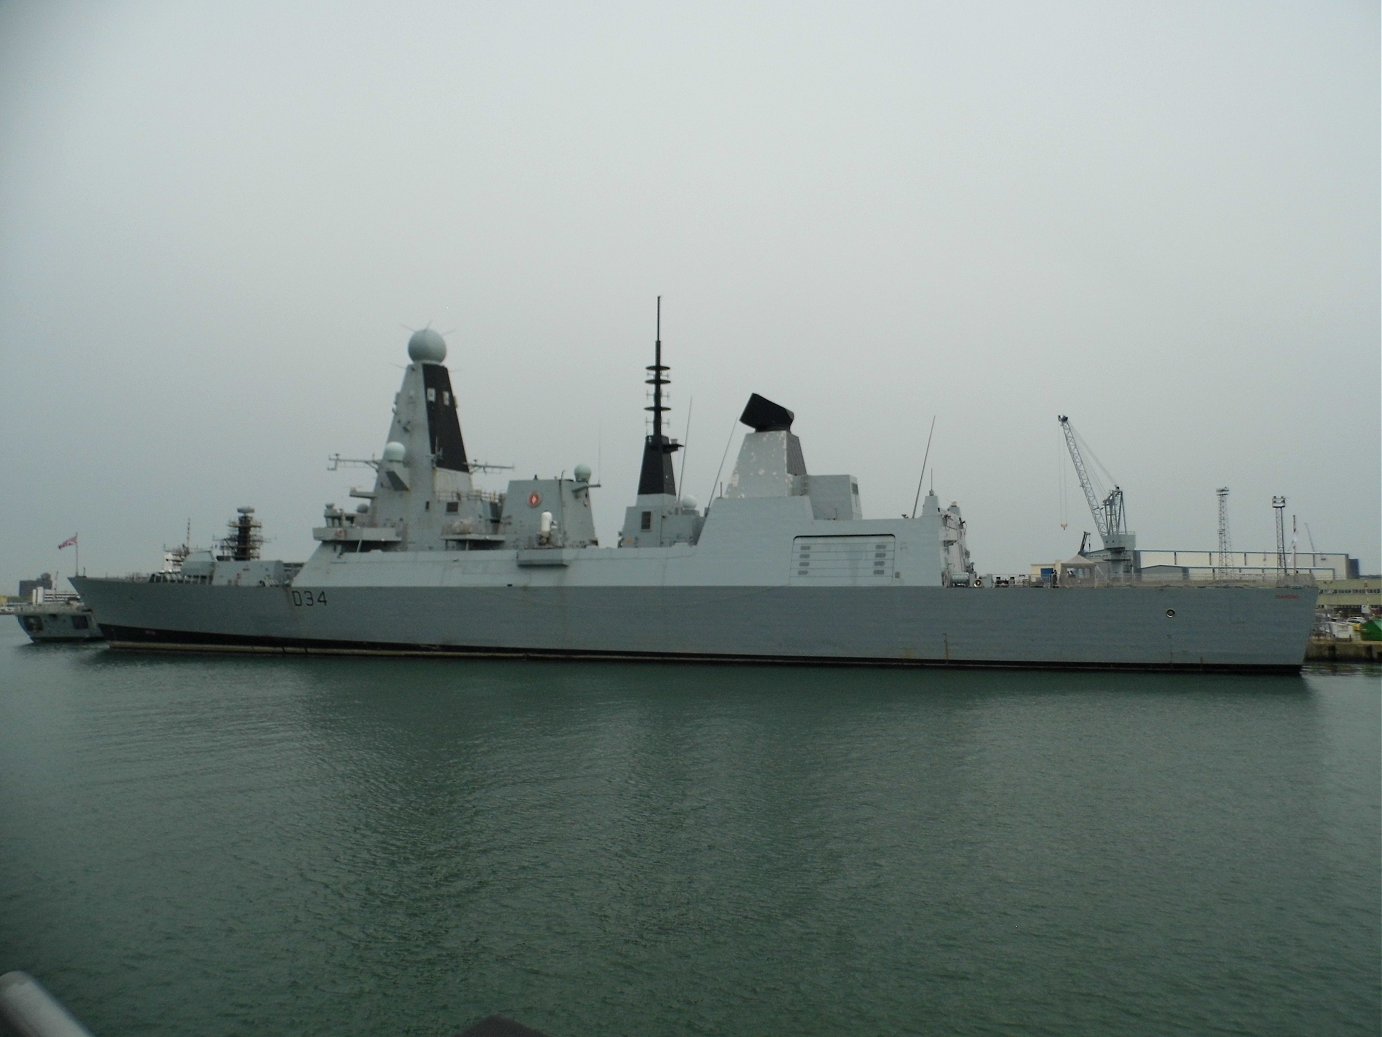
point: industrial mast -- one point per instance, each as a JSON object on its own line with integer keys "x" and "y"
{"x": 1279, "y": 506}
{"x": 1225, "y": 568}
{"x": 1120, "y": 546}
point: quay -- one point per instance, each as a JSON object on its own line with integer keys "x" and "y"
{"x": 1328, "y": 650}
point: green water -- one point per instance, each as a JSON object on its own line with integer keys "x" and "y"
{"x": 215, "y": 845}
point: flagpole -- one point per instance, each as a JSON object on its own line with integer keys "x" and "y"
{"x": 74, "y": 541}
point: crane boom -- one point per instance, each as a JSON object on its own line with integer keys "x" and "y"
{"x": 1094, "y": 509}
{"x": 1109, "y": 517}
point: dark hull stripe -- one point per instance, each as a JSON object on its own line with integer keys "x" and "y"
{"x": 129, "y": 638}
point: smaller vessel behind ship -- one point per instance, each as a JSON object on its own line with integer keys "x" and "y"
{"x": 781, "y": 568}
{"x": 56, "y": 618}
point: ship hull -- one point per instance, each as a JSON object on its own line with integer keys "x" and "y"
{"x": 1170, "y": 627}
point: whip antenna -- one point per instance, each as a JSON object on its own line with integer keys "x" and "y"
{"x": 922, "y": 478}
{"x": 721, "y": 469}
{"x": 681, "y": 476}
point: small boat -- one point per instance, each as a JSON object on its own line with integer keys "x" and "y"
{"x": 61, "y": 617}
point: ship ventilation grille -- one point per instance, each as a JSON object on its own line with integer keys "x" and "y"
{"x": 843, "y": 559}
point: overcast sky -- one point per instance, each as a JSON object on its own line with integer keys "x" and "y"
{"x": 219, "y": 222}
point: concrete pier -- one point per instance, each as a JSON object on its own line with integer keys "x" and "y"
{"x": 1324, "y": 650}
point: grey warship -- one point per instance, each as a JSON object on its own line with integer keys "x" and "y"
{"x": 781, "y": 568}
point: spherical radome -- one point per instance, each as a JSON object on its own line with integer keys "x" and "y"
{"x": 582, "y": 473}
{"x": 395, "y": 451}
{"x": 427, "y": 346}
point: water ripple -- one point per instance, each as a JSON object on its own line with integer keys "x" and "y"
{"x": 224, "y": 846}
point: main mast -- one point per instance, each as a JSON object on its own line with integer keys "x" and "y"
{"x": 656, "y": 476}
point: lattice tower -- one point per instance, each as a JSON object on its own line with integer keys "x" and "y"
{"x": 1225, "y": 566}
{"x": 1279, "y": 505}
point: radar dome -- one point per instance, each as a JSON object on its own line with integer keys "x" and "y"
{"x": 427, "y": 346}
{"x": 582, "y": 473}
{"x": 395, "y": 451}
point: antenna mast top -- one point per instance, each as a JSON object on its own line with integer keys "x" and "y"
{"x": 657, "y": 381}
{"x": 656, "y": 475}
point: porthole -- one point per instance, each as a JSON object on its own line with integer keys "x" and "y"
{"x": 1170, "y": 613}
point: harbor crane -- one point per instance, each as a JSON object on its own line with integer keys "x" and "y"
{"x": 1119, "y": 549}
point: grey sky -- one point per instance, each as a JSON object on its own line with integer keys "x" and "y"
{"x": 218, "y": 223}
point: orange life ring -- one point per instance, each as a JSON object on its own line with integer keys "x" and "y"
{"x": 534, "y": 499}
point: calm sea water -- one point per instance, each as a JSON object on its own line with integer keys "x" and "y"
{"x": 210, "y": 845}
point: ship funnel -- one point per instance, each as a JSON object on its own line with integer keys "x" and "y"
{"x": 770, "y": 461}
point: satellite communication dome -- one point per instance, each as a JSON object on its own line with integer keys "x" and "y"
{"x": 395, "y": 451}
{"x": 582, "y": 473}
{"x": 427, "y": 346}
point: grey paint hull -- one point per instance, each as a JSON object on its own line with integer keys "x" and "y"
{"x": 1137, "y": 627}
{"x": 54, "y": 623}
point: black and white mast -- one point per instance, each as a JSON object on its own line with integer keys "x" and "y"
{"x": 656, "y": 476}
